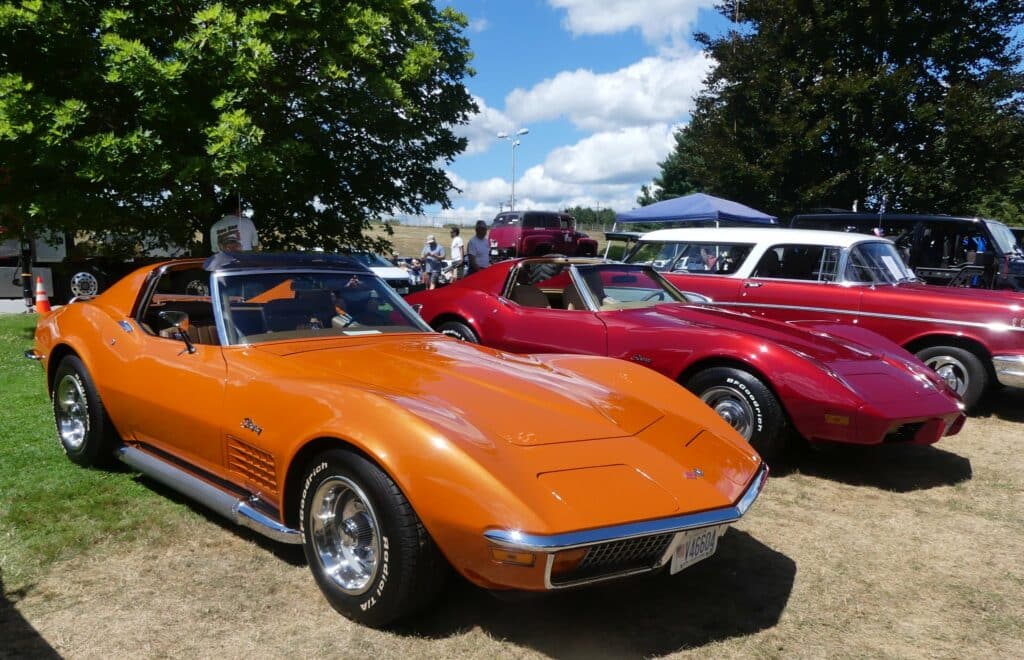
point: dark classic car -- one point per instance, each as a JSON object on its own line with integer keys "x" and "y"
{"x": 971, "y": 337}
{"x": 761, "y": 376}
{"x": 302, "y": 398}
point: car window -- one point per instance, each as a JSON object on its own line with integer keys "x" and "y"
{"x": 184, "y": 291}
{"x": 876, "y": 263}
{"x": 626, "y": 287}
{"x": 813, "y": 263}
{"x": 699, "y": 258}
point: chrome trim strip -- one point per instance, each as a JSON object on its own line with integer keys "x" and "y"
{"x": 32, "y": 355}
{"x": 555, "y": 542}
{"x": 897, "y": 317}
{"x": 219, "y": 501}
{"x": 1009, "y": 370}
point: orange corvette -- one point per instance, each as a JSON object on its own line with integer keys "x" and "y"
{"x": 303, "y": 399}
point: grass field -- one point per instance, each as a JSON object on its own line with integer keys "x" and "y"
{"x": 889, "y": 552}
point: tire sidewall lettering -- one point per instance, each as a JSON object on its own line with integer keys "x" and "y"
{"x": 754, "y": 403}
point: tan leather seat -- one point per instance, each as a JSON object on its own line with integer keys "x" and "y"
{"x": 197, "y": 334}
{"x": 528, "y": 295}
{"x": 571, "y": 298}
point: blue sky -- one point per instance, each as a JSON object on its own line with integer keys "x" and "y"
{"x": 601, "y": 85}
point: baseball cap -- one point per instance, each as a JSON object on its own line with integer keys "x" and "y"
{"x": 431, "y": 239}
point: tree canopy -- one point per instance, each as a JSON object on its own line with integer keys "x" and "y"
{"x": 154, "y": 117}
{"x": 818, "y": 103}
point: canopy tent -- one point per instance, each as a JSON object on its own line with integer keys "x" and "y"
{"x": 697, "y": 206}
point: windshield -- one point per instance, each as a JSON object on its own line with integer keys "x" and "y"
{"x": 370, "y": 259}
{"x": 876, "y": 263}
{"x": 271, "y": 306}
{"x": 678, "y": 257}
{"x": 614, "y": 286}
{"x": 1004, "y": 238}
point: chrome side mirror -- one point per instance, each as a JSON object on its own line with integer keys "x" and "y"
{"x": 179, "y": 321}
{"x": 696, "y": 298}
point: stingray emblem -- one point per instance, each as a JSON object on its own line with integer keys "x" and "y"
{"x": 695, "y": 473}
{"x": 252, "y": 426}
{"x": 641, "y": 359}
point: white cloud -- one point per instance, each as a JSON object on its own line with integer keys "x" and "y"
{"x": 655, "y": 89}
{"x": 616, "y": 157}
{"x": 479, "y": 25}
{"x": 657, "y": 20}
{"x": 483, "y": 127}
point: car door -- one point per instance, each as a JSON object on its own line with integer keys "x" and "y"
{"x": 796, "y": 282}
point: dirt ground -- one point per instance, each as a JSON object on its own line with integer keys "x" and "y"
{"x": 889, "y": 552}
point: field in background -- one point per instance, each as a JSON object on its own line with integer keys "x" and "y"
{"x": 891, "y": 551}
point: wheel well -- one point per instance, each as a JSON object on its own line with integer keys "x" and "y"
{"x": 293, "y": 478}
{"x": 59, "y": 352}
{"x": 965, "y": 343}
{"x": 445, "y": 318}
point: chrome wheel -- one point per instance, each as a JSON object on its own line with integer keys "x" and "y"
{"x": 72, "y": 412}
{"x": 345, "y": 535}
{"x": 951, "y": 370}
{"x": 732, "y": 406}
{"x": 84, "y": 284}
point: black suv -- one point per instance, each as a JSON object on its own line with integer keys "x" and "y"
{"x": 941, "y": 249}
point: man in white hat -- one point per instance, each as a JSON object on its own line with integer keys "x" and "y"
{"x": 433, "y": 254}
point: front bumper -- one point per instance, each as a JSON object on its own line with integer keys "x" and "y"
{"x": 650, "y": 535}
{"x": 1009, "y": 369}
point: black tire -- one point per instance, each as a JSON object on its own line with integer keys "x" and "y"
{"x": 960, "y": 368}
{"x": 407, "y": 570}
{"x": 83, "y": 426}
{"x": 458, "y": 330}
{"x": 747, "y": 404}
{"x": 544, "y": 271}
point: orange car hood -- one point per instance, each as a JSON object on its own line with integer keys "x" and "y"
{"x": 504, "y": 396}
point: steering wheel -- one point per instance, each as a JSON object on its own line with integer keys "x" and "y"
{"x": 654, "y": 295}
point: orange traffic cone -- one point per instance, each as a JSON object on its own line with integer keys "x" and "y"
{"x": 42, "y": 301}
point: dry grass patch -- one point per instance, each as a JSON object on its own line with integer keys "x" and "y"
{"x": 887, "y": 552}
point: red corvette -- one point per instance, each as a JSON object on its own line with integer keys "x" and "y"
{"x": 829, "y": 383}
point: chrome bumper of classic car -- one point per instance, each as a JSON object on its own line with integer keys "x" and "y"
{"x": 623, "y": 550}
{"x": 1009, "y": 369}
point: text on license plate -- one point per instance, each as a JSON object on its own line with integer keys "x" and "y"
{"x": 695, "y": 545}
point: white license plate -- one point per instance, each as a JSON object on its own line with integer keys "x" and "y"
{"x": 694, "y": 545}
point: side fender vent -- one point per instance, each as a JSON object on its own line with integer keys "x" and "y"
{"x": 254, "y": 465}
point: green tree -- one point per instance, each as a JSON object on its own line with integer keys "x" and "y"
{"x": 154, "y": 117}
{"x": 817, "y": 103}
{"x": 591, "y": 217}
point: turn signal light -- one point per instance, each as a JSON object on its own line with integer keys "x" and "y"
{"x": 838, "y": 420}
{"x": 505, "y": 556}
{"x": 566, "y": 561}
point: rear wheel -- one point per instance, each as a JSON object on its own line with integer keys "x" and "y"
{"x": 962, "y": 370}
{"x": 372, "y": 558}
{"x": 83, "y": 426}
{"x": 746, "y": 403}
{"x": 458, "y": 330}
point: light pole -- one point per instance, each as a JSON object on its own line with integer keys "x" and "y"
{"x": 514, "y": 138}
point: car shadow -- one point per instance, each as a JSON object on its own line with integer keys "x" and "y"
{"x": 1006, "y": 403}
{"x": 19, "y": 638}
{"x": 742, "y": 589}
{"x": 289, "y": 553}
{"x": 895, "y": 468}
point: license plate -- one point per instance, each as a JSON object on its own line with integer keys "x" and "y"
{"x": 402, "y": 290}
{"x": 695, "y": 545}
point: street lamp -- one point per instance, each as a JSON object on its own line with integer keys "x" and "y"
{"x": 514, "y": 138}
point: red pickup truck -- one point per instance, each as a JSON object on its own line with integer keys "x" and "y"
{"x": 536, "y": 233}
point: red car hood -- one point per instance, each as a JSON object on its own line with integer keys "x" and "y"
{"x": 715, "y": 319}
{"x": 512, "y": 397}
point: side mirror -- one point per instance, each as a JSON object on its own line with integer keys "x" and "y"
{"x": 179, "y": 321}
{"x": 418, "y": 307}
{"x": 696, "y": 298}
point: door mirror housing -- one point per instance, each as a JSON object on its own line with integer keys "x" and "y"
{"x": 179, "y": 321}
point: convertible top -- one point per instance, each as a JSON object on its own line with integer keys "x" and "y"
{"x": 230, "y": 261}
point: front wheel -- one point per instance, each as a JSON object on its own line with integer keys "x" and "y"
{"x": 83, "y": 426}
{"x": 746, "y": 403}
{"x": 370, "y": 555}
{"x": 962, "y": 370}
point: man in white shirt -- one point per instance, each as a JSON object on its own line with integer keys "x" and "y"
{"x": 234, "y": 233}
{"x": 458, "y": 250}
{"x": 478, "y": 250}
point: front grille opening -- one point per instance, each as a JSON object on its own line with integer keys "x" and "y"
{"x": 617, "y": 557}
{"x": 903, "y": 433}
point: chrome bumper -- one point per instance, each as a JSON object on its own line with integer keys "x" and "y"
{"x": 31, "y": 354}
{"x": 1009, "y": 369}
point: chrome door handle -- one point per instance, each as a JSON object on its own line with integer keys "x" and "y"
{"x": 752, "y": 285}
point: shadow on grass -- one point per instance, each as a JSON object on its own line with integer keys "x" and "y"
{"x": 19, "y": 638}
{"x": 895, "y": 468}
{"x": 1006, "y": 403}
{"x": 291, "y": 554}
{"x": 741, "y": 590}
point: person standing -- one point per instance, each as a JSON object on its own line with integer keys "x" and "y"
{"x": 458, "y": 254}
{"x": 433, "y": 254}
{"x": 478, "y": 250}
{"x": 234, "y": 233}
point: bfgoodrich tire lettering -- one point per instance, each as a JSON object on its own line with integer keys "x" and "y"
{"x": 83, "y": 426}
{"x": 746, "y": 403}
{"x": 458, "y": 330}
{"x": 370, "y": 555}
